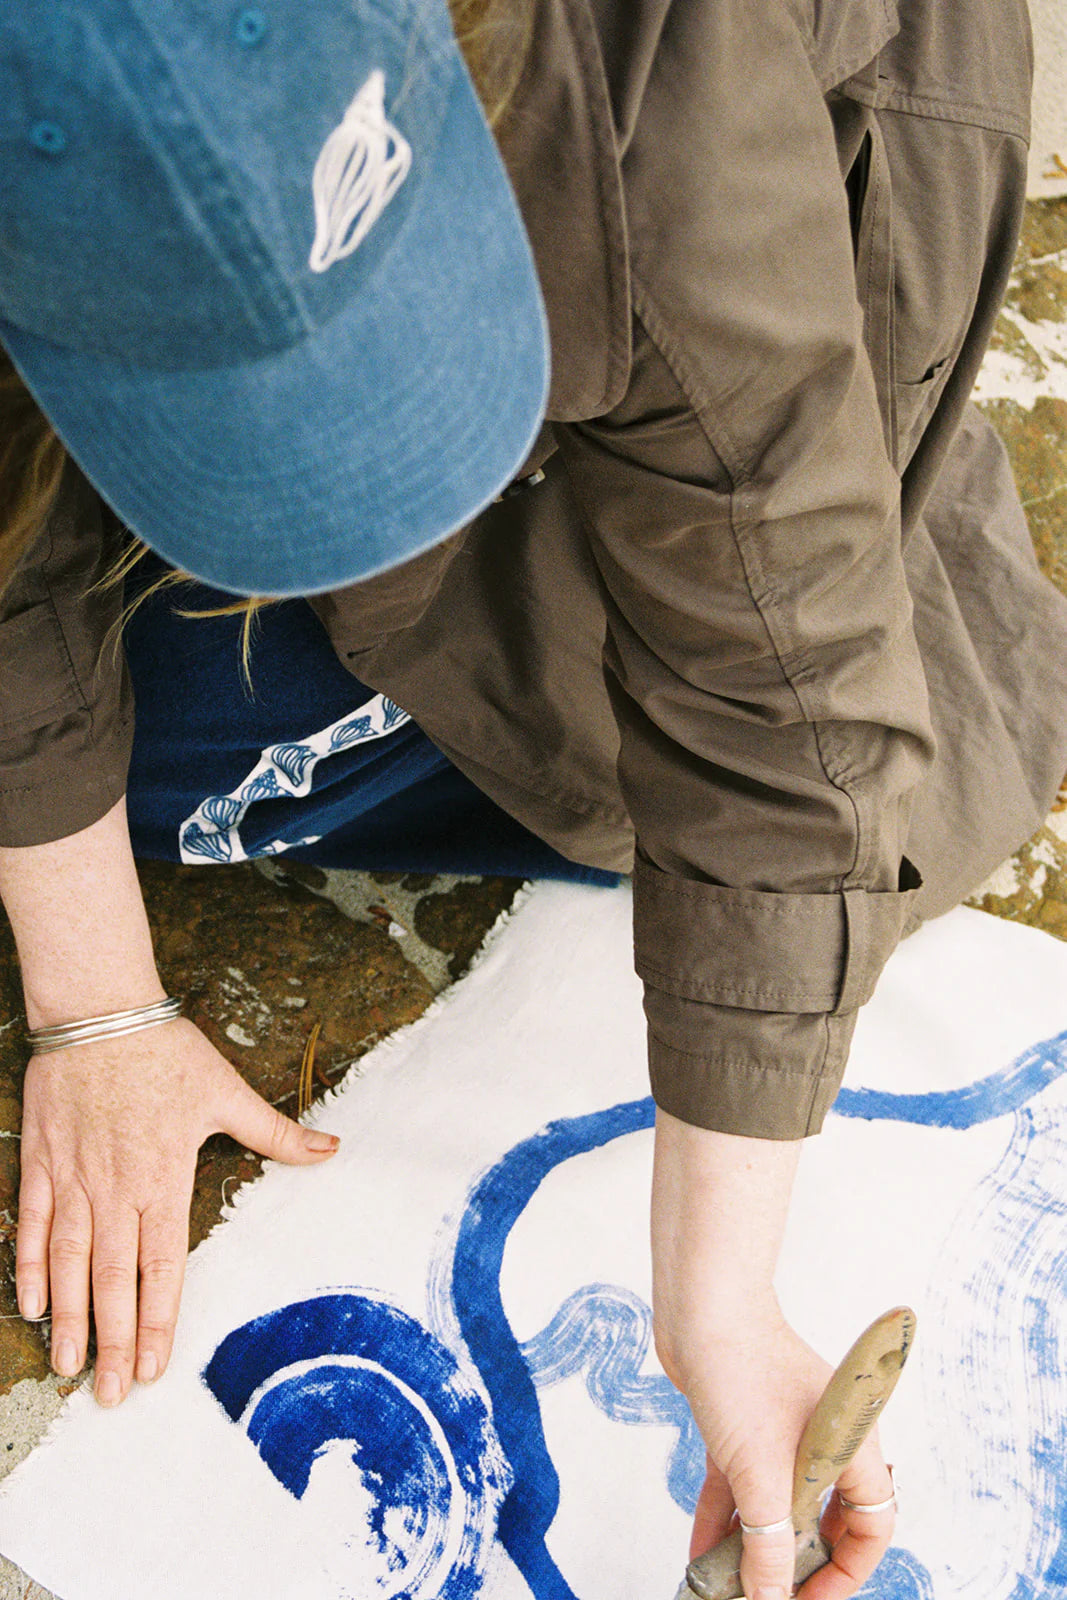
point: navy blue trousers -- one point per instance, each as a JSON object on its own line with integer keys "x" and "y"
{"x": 307, "y": 761}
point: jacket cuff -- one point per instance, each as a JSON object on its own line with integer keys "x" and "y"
{"x": 762, "y": 1075}
{"x": 56, "y": 809}
{"x": 751, "y": 997}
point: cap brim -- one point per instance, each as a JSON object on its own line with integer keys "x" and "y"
{"x": 386, "y": 431}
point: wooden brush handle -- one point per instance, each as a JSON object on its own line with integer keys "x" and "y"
{"x": 850, "y": 1406}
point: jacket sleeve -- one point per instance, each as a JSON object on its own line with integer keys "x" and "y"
{"x": 744, "y": 517}
{"x": 66, "y": 712}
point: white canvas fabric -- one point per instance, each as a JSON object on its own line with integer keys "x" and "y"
{"x": 422, "y": 1370}
{"x": 1048, "y": 144}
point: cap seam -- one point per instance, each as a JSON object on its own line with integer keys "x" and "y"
{"x": 185, "y": 150}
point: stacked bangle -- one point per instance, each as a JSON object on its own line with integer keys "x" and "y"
{"x": 44, "y": 1040}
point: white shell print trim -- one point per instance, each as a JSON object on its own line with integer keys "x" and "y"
{"x": 359, "y": 169}
{"x": 283, "y": 771}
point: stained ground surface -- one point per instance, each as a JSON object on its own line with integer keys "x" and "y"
{"x": 264, "y": 953}
{"x": 1023, "y": 390}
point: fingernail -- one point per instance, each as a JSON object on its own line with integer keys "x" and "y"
{"x": 147, "y": 1367}
{"x": 65, "y": 1359}
{"x": 320, "y": 1141}
{"x": 108, "y": 1388}
{"x": 31, "y": 1304}
{"x": 770, "y": 1594}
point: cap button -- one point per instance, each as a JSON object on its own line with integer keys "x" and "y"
{"x": 250, "y": 26}
{"x": 48, "y": 137}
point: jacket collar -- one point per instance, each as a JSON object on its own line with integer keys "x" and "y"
{"x": 558, "y": 141}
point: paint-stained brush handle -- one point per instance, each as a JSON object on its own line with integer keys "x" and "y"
{"x": 850, "y": 1405}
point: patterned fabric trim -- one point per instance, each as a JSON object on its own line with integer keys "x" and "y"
{"x": 212, "y": 833}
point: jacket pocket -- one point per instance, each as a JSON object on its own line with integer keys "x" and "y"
{"x": 906, "y": 406}
{"x": 913, "y": 405}
{"x": 872, "y": 228}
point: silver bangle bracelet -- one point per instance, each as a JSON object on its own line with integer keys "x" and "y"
{"x": 42, "y": 1041}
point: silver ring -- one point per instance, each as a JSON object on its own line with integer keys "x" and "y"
{"x": 766, "y": 1527}
{"x": 883, "y": 1505}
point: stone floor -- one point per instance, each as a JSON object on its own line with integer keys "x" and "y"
{"x": 263, "y": 953}
{"x": 1023, "y": 390}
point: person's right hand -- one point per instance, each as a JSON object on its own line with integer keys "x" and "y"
{"x": 110, "y": 1134}
{"x": 719, "y": 1204}
{"x": 752, "y": 1390}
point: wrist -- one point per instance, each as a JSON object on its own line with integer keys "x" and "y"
{"x": 82, "y": 1000}
{"x": 91, "y": 1030}
{"x": 83, "y": 938}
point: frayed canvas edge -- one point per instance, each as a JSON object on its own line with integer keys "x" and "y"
{"x": 372, "y": 1061}
{"x": 379, "y": 1056}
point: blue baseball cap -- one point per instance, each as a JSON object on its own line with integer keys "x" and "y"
{"x": 263, "y": 270}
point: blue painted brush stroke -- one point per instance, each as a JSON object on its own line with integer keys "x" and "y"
{"x": 577, "y": 1342}
{"x": 601, "y": 1332}
{"x": 499, "y": 1199}
{"x": 353, "y": 1371}
{"x": 1002, "y": 1092}
{"x": 496, "y": 1202}
{"x": 1047, "y": 1557}
{"x": 998, "y": 1293}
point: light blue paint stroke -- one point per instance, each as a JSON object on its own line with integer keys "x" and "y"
{"x": 603, "y": 1332}
{"x": 999, "y": 1295}
{"x": 996, "y": 1096}
{"x": 898, "y": 1577}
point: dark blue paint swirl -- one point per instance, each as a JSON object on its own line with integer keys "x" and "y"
{"x": 319, "y": 1400}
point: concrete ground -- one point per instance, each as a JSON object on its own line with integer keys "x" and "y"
{"x": 261, "y": 953}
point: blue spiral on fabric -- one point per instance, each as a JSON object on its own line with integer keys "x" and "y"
{"x": 338, "y": 1373}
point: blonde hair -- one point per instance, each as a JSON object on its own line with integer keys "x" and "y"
{"x": 31, "y": 465}
{"x": 494, "y": 36}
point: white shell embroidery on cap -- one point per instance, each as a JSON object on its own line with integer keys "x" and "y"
{"x": 359, "y": 169}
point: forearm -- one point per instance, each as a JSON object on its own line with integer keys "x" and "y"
{"x": 79, "y": 921}
{"x": 719, "y": 1206}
